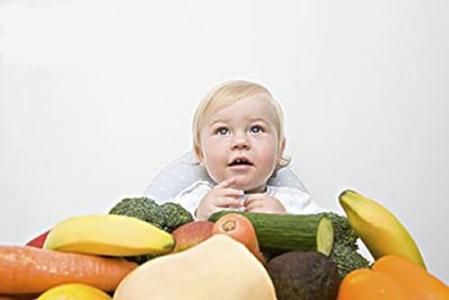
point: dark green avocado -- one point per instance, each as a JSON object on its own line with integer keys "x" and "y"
{"x": 303, "y": 275}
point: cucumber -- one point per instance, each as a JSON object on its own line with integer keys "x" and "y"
{"x": 281, "y": 233}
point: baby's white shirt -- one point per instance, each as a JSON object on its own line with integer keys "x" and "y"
{"x": 294, "y": 200}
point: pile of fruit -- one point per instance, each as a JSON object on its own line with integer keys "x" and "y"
{"x": 142, "y": 250}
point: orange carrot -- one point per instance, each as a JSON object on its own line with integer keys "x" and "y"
{"x": 29, "y": 270}
{"x": 241, "y": 229}
{"x": 19, "y": 297}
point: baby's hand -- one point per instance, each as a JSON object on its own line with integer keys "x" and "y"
{"x": 263, "y": 204}
{"x": 221, "y": 196}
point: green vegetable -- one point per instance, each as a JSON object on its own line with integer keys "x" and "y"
{"x": 168, "y": 216}
{"x": 140, "y": 259}
{"x": 343, "y": 232}
{"x": 280, "y": 233}
{"x": 142, "y": 208}
{"x": 347, "y": 259}
{"x": 174, "y": 216}
{"x": 304, "y": 275}
{"x": 345, "y": 250}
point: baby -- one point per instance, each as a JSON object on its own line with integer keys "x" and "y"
{"x": 238, "y": 137}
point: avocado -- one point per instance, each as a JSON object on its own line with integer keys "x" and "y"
{"x": 304, "y": 276}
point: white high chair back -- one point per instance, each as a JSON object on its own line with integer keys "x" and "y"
{"x": 185, "y": 170}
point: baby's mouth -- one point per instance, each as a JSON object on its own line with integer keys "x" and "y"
{"x": 241, "y": 162}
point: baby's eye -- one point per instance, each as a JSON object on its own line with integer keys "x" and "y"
{"x": 222, "y": 131}
{"x": 256, "y": 129}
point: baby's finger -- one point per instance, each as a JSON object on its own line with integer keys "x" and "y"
{"x": 253, "y": 205}
{"x": 229, "y": 192}
{"x": 227, "y": 182}
{"x": 227, "y": 202}
{"x": 253, "y": 197}
{"x": 259, "y": 209}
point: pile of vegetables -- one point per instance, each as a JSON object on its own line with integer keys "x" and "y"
{"x": 278, "y": 234}
{"x": 141, "y": 248}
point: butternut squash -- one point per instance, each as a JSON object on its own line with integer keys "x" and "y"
{"x": 218, "y": 268}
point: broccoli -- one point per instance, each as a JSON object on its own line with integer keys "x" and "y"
{"x": 142, "y": 208}
{"x": 175, "y": 215}
{"x": 347, "y": 259}
{"x": 344, "y": 251}
{"x": 167, "y": 217}
{"x": 140, "y": 259}
{"x": 343, "y": 232}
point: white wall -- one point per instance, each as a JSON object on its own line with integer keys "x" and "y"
{"x": 97, "y": 96}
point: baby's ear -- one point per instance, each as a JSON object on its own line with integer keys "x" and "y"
{"x": 198, "y": 154}
{"x": 282, "y": 146}
{"x": 281, "y": 152}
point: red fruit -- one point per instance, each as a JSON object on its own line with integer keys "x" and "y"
{"x": 38, "y": 241}
{"x": 190, "y": 234}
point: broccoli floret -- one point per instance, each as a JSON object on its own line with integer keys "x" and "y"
{"x": 167, "y": 217}
{"x": 174, "y": 216}
{"x": 343, "y": 232}
{"x": 344, "y": 251}
{"x": 142, "y": 208}
{"x": 347, "y": 259}
{"x": 140, "y": 259}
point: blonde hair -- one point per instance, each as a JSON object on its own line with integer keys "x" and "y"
{"x": 226, "y": 94}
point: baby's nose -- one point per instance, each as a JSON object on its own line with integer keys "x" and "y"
{"x": 240, "y": 142}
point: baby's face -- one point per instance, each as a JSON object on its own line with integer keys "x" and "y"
{"x": 241, "y": 140}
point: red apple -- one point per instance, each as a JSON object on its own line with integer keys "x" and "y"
{"x": 192, "y": 233}
{"x": 38, "y": 242}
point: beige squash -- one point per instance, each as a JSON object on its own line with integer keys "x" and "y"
{"x": 218, "y": 268}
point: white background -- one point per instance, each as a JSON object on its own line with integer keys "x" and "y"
{"x": 97, "y": 96}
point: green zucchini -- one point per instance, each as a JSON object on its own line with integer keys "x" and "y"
{"x": 281, "y": 233}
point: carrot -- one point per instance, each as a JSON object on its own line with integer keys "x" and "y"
{"x": 29, "y": 270}
{"x": 19, "y": 297}
{"x": 241, "y": 229}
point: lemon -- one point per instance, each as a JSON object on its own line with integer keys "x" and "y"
{"x": 74, "y": 291}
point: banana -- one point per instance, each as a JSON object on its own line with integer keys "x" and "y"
{"x": 112, "y": 235}
{"x": 379, "y": 229}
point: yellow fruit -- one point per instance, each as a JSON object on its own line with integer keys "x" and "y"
{"x": 111, "y": 235}
{"x": 378, "y": 228}
{"x": 74, "y": 291}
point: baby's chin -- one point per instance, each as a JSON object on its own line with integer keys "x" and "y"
{"x": 249, "y": 187}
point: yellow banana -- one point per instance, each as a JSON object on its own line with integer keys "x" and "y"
{"x": 112, "y": 235}
{"x": 379, "y": 229}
